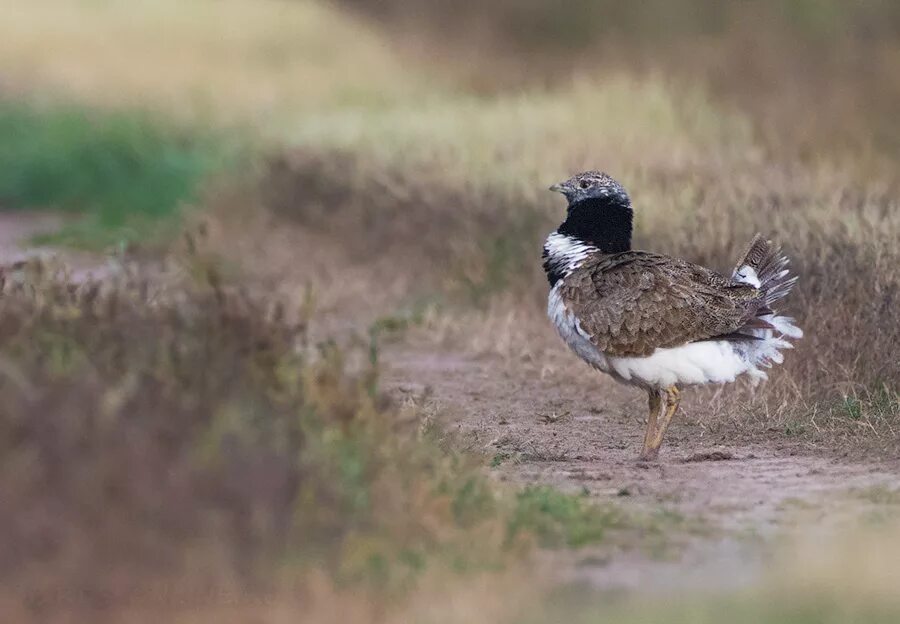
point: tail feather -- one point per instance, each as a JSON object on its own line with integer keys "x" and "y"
{"x": 764, "y": 266}
{"x": 784, "y": 325}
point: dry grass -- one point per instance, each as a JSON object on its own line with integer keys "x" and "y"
{"x": 465, "y": 224}
{"x": 815, "y": 75}
{"x": 230, "y": 60}
{"x": 458, "y": 189}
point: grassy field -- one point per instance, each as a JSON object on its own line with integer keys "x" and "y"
{"x": 213, "y": 440}
{"x": 126, "y": 173}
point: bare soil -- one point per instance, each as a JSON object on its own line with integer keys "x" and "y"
{"x": 15, "y": 230}
{"x": 584, "y": 432}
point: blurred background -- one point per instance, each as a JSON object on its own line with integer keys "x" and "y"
{"x": 276, "y": 197}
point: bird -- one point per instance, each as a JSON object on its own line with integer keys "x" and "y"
{"x": 654, "y": 321}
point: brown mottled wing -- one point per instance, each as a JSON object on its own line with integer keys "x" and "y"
{"x": 635, "y": 302}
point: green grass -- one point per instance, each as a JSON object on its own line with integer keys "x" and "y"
{"x": 122, "y": 172}
{"x": 879, "y": 402}
{"x": 559, "y": 519}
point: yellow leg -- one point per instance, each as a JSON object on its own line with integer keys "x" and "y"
{"x": 655, "y": 404}
{"x": 654, "y": 441}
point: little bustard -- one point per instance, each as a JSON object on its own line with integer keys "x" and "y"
{"x": 653, "y": 321}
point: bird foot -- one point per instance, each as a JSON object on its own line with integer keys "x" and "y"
{"x": 648, "y": 456}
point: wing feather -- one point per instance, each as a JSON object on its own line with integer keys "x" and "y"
{"x": 632, "y": 303}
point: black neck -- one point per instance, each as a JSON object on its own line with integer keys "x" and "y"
{"x": 602, "y": 222}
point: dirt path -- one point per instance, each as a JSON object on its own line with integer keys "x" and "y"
{"x": 17, "y": 228}
{"x": 586, "y": 436}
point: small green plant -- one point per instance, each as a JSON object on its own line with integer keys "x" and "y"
{"x": 852, "y": 407}
{"x": 499, "y": 458}
{"x": 557, "y": 519}
{"x": 875, "y": 404}
{"x": 794, "y": 428}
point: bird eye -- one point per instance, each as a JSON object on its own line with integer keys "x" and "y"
{"x": 583, "y": 184}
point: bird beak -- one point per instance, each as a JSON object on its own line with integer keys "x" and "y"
{"x": 557, "y": 188}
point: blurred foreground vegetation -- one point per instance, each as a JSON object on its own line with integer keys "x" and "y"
{"x": 149, "y": 433}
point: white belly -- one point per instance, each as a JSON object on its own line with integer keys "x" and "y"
{"x": 711, "y": 361}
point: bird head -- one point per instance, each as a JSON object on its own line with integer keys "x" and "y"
{"x": 592, "y": 185}
{"x": 599, "y": 211}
